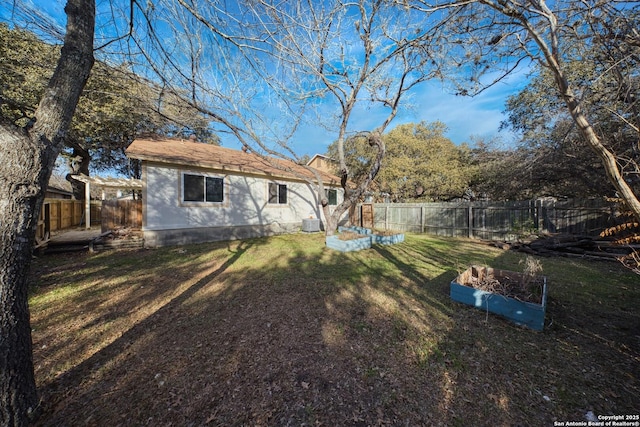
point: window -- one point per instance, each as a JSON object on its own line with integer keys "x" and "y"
{"x": 332, "y": 196}
{"x": 277, "y": 193}
{"x": 199, "y": 188}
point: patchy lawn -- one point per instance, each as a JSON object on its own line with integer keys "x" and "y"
{"x": 281, "y": 331}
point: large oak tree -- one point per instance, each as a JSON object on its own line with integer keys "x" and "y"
{"x": 116, "y": 105}
{"x": 420, "y": 163}
{"x": 27, "y": 156}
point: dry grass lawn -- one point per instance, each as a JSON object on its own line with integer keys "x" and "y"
{"x": 282, "y": 331}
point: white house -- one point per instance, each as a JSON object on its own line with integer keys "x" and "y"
{"x": 194, "y": 192}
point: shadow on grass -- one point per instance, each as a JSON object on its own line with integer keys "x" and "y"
{"x": 281, "y": 331}
{"x": 73, "y": 378}
{"x": 587, "y": 359}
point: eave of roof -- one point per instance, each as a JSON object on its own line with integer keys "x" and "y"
{"x": 187, "y": 153}
{"x": 121, "y": 183}
{"x": 320, "y": 156}
{"x": 52, "y": 189}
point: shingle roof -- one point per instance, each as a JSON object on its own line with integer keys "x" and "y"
{"x": 181, "y": 152}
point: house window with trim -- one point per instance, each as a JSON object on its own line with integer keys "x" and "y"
{"x": 277, "y": 193}
{"x": 332, "y": 196}
{"x": 201, "y": 188}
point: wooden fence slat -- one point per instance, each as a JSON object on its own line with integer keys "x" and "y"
{"x": 121, "y": 213}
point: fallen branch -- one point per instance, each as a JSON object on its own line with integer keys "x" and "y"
{"x": 569, "y": 246}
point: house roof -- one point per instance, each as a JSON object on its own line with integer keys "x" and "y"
{"x": 320, "y": 156}
{"x": 59, "y": 184}
{"x": 323, "y": 163}
{"x": 187, "y": 153}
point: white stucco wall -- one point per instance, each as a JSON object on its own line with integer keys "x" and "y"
{"x": 245, "y": 201}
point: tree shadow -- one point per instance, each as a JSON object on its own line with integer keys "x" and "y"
{"x": 73, "y": 378}
{"x": 507, "y": 374}
{"x": 311, "y": 336}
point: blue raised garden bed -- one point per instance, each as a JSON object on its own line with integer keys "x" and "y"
{"x": 376, "y": 239}
{"x": 387, "y": 240}
{"x": 520, "y": 312}
{"x": 334, "y": 242}
{"x": 354, "y": 229}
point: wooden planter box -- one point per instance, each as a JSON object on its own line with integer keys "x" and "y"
{"x": 334, "y": 242}
{"x": 520, "y": 312}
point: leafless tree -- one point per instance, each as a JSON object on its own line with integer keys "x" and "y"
{"x": 238, "y": 61}
{"x": 493, "y": 37}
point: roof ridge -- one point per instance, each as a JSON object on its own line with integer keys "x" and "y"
{"x": 184, "y": 152}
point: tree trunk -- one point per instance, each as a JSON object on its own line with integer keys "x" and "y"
{"x": 331, "y": 223}
{"x": 18, "y": 209}
{"x": 78, "y": 165}
{"x": 608, "y": 158}
{"x": 28, "y": 156}
{"x": 352, "y": 196}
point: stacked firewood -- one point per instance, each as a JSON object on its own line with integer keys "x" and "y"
{"x": 121, "y": 238}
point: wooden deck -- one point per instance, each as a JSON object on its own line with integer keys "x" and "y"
{"x": 75, "y": 236}
{"x": 68, "y": 240}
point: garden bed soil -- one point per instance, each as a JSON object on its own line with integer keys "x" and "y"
{"x": 510, "y": 284}
{"x": 386, "y": 232}
{"x": 348, "y": 235}
{"x": 521, "y": 298}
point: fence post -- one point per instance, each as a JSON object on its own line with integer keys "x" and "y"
{"x": 470, "y": 221}
{"x": 423, "y": 209}
{"x": 386, "y": 217}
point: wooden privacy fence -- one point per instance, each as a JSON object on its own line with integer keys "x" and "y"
{"x": 121, "y": 213}
{"x": 59, "y": 214}
{"x": 504, "y": 221}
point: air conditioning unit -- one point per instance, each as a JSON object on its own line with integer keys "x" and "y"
{"x": 310, "y": 225}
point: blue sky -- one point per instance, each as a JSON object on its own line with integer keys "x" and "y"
{"x": 465, "y": 117}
